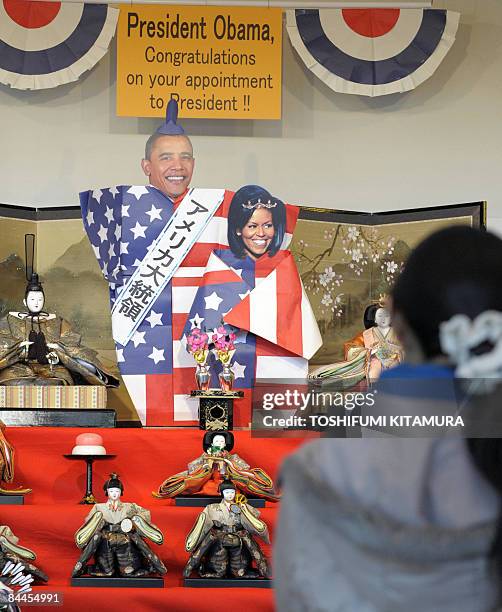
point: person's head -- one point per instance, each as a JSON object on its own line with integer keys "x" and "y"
{"x": 376, "y": 315}
{"x": 227, "y": 490}
{"x": 113, "y": 487}
{"x": 169, "y": 163}
{"x": 219, "y": 439}
{"x": 457, "y": 270}
{"x": 256, "y": 222}
{"x": 34, "y": 297}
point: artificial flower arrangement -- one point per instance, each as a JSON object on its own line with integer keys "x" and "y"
{"x": 223, "y": 348}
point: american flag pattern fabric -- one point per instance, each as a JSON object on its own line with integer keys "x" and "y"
{"x": 121, "y": 223}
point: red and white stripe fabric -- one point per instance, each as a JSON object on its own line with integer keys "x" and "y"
{"x": 276, "y": 306}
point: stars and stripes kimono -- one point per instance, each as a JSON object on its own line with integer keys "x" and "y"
{"x": 123, "y": 224}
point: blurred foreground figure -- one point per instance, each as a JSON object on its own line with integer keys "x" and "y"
{"x": 394, "y": 523}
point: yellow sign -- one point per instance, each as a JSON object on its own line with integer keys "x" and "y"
{"x": 219, "y": 63}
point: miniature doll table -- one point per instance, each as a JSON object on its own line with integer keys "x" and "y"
{"x": 89, "y": 459}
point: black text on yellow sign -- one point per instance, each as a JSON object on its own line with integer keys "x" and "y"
{"x": 220, "y": 63}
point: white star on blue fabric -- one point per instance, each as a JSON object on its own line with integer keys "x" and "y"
{"x": 111, "y": 251}
{"x": 90, "y": 217}
{"x": 154, "y": 318}
{"x": 125, "y": 210}
{"x": 123, "y": 248}
{"x": 114, "y": 191}
{"x": 97, "y": 194}
{"x": 103, "y": 233}
{"x": 118, "y": 232}
{"x": 213, "y": 301}
{"x": 154, "y": 213}
{"x": 120, "y": 355}
{"x": 138, "y": 230}
{"x": 238, "y": 370}
{"x": 96, "y": 251}
{"x": 137, "y": 191}
{"x": 109, "y": 214}
{"x": 196, "y": 321}
{"x": 157, "y": 355}
{"x": 138, "y": 338}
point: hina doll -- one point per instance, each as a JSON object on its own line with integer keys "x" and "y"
{"x": 11, "y": 551}
{"x": 7, "y": 466}
{"x": 217, "y": 463}
{"x": 114, "y": 534}
{"x": 40, "y": 348}
{"x": 222, "y": 542}
{"x": 366, "y": 355}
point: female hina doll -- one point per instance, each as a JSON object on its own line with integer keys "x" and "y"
{"x": 222, "y": 541}
{"x": 217, "y": 463}
{"x": 40, "y": 348}
{"x": 7, "y": 466}
{"x": 366, "y": 355}
{"x": 114, "y": 534}
{"x": 12, "y": 552}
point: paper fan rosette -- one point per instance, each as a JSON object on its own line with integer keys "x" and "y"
{"x": 372, "y": 52}
{"x": 46, "y": 44}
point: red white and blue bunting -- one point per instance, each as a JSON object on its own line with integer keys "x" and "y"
{"x": 46, "y": 44}
{"x": 372, "y": 52}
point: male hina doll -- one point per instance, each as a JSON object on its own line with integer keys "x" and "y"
{"x": 222, "y": 542}
{"x": 114, "y": 534}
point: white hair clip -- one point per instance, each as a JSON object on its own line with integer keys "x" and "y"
{"x": 459, "y": 336}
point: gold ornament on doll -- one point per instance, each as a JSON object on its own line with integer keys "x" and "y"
{"x": 217, "y": 463}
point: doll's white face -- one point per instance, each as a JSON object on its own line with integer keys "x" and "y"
{"x": 229, "y": 495}
{"x": 382, "y": 317}
{"x": 34, "y": 301}
{"x": 219, "y": 441}
{"x": 114, "y": 493}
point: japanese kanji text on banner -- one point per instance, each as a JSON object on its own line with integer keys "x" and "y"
{"x": 220, "y": 63}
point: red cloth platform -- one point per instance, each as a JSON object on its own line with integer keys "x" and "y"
{"x": 145, "y": 457}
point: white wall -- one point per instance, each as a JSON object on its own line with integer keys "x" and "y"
{"x": 441, "y": 143}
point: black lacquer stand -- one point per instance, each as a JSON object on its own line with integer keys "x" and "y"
{"x": 89, "y": 459}
{"x": 216, "y": 408}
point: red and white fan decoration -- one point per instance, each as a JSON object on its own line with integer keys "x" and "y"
{"x": 46, "y": 44}
{"x": 372, "y": 52}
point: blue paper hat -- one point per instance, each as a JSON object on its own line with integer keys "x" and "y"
{"x": 170, "y": 127}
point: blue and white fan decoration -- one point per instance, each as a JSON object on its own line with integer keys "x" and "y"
{"x": 372, "y": 52}
{"x": 46, "y": 44}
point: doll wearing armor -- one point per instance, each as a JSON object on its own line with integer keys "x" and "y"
{"x": 216, "y": 464}
{"x": 12, "y": 551}
{"x": 114, "y": 534}
{"x": 40, "y": 348}
{"x": 222, "y": 542}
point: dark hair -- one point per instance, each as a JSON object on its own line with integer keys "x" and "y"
{"x": 369, "y": 315}
{"x": 455, "y": 271}
{"x": 226, "y": 484}
{"x": 33, "y": 284}
{"x": 209, "y": 437}
{"x": 150, "y": 143}
{"x": 238, "y": 216}
{"x": 113, "y": 482}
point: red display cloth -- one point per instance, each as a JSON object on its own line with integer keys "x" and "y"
{"x": 145, "y": 457}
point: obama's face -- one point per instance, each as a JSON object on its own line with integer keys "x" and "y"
{"x": 171, "y": 164}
